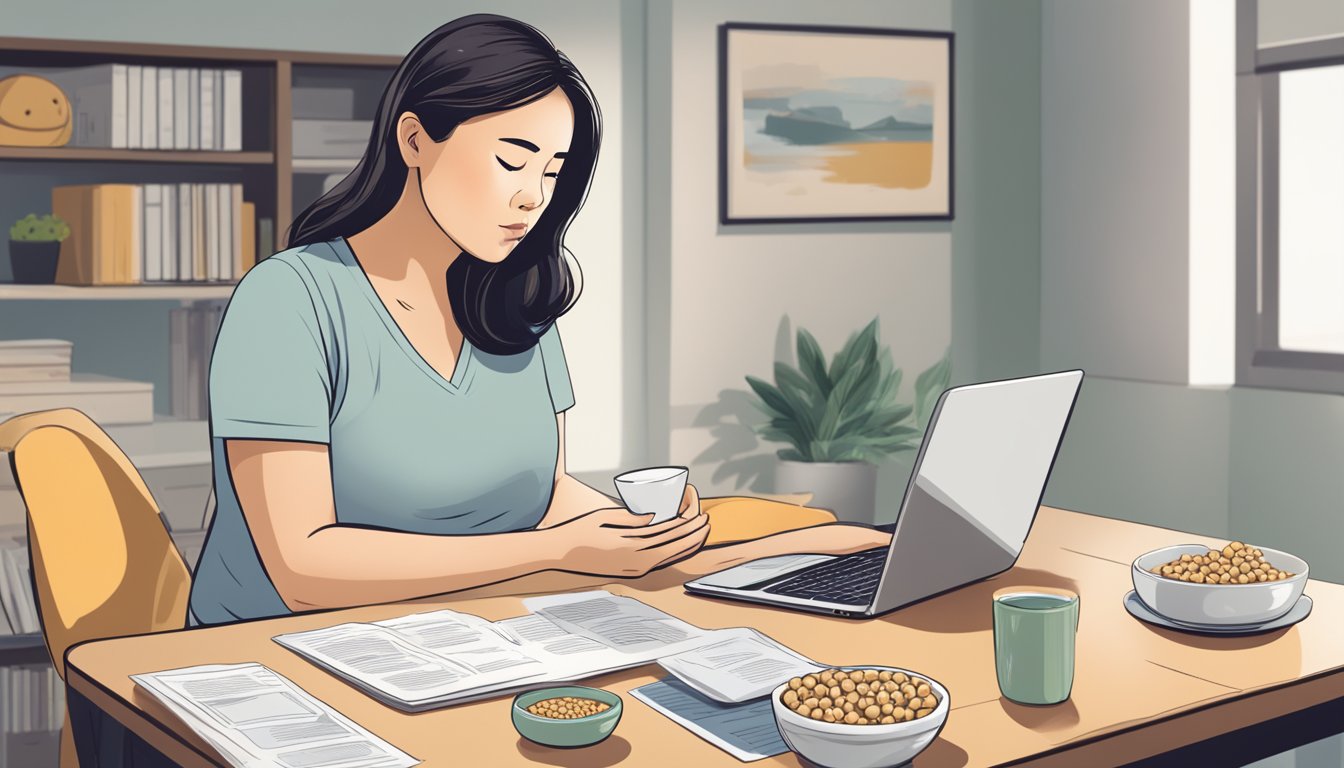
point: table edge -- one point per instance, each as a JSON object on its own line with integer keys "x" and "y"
{"x": 136, "y": 720}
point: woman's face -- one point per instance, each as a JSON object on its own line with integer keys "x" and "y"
{"x": 488, "y": 182}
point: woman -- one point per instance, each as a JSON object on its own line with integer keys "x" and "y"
{"x": 387, "y": 395}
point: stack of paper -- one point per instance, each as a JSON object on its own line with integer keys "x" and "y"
{"x": 428, "y": 660}
{"x": 254, "y": 717}
{"x": 35, "y": 360}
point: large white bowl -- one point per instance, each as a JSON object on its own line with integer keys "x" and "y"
{"x": 1218, "y": 604}
{"x": 838, "y": 745}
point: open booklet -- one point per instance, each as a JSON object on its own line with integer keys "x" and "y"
{"x": 428, "y": 660}
{"x": 254, "y": 717}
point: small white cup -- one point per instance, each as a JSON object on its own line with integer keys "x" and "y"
{"x": 653, "y": 491}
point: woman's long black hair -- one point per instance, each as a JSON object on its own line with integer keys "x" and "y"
{"x": 473, "y": 66}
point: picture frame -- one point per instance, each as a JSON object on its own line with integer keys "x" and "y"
{"x": 834, "y": 124}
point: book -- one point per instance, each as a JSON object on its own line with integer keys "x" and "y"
{"x": 133, "y": 272}
{"x": 181, "y": 108}
{"x": 212, "y": 232}
{"x": 31, "y": 373}
{"x": 330, "y": 138}
{"x": 265, "y": 237}
{"x": 208, "y": 109}
{"x": 134, "y": 111}
{"x": 323, "y": 103}
{"x": 198, "y": 254}
{"x": 20, "y": 350}
{"x": 102, "y": 220}
{"x": 434, "y": 659}
{"x": 194, "y": 112}
{"x": 169, "y": 232}
{"x": 228, "y": 224}
{"x": 34, "y": 360}
{"x": 247, "y": 255}
{"x": 233, "y": 110}
{"x": 179, "y": 343}
{"x": 153, "y": 233}
{"x": 166, "y": 108}
{"x": 97, "y": 97}
{"x": 219, "y": 109}
{"x": 18, "y": 593}
{"x": 105, "y": 399}
{"x": 186, "y": 257}
{"x": 149, "y": 107}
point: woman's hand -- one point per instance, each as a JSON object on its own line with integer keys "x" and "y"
{"x": 615, "y": 542}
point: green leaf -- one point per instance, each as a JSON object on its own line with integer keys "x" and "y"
{"x": 789, "y": 454}
{"x": 789, "y": 378}
{"x": 811, "y": 362}
{"x": 929, "y": 386}
{"x": 852, "y": 350}
{"x": 770, "y": 396}
{"x": 800, "y": 410}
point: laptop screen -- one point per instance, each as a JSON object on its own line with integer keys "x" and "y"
{"x": 976, "y": 485}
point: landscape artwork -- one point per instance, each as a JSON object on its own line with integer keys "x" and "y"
{"x": 829, "y": 123}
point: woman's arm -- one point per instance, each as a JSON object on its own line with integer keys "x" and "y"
{"x": 285, "y": 491}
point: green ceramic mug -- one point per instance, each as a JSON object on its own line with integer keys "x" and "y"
{"x": 1034, "y": 629}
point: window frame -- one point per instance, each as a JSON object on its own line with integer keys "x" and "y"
{"x": 1261, "y": 361}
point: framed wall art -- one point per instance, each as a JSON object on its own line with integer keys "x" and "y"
{"x": 824, "y": 123}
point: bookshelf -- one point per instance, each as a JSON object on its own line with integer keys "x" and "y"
{"x": 188, "y": 292}
{"x": 173, "y": 452}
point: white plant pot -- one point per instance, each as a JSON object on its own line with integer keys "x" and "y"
{"x": 847, "y": 488}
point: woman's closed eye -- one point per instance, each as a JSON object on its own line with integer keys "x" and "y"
{"x": 549, "y": 175}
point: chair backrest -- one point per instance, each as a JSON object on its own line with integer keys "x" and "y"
{"x": 103, "y": 563}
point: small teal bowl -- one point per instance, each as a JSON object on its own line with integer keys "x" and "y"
{"x": 580, "y": 732}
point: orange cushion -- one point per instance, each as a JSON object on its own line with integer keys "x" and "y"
{"x": 739, "y": 518}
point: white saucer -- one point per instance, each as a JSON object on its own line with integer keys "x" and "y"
{"x": 1139, "y": 610}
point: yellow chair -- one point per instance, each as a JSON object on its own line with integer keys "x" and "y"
{"x": 103, "y": 563}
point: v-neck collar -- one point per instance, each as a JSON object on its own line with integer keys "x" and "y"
{"x": 464, "y": 356}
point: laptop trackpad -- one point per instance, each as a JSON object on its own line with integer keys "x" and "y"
{"x": 759, "y": 570}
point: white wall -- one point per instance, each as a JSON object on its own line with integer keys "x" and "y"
{"x": 1144, "y": 444}
{"x": 731, "y": 286}
{"x": 604, "y": 39}
{"x": 1114, "y": 189}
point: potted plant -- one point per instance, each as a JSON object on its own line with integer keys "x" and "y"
{"x": 839, "y": 421}
{"x": 35, "y": 246}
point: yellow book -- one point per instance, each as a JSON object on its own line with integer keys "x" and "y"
{"x": 113, "y": 212}
{"x": 100, "y": 246}
{"x": 247, "y": 254}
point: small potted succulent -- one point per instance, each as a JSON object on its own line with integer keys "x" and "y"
{"x": 35, "y": 246}
{"x": 842, "y": 419}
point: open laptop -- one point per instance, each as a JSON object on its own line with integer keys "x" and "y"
{"x": 979, "y": 477}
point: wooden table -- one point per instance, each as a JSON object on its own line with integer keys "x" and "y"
{"x": 1139, "y": 690}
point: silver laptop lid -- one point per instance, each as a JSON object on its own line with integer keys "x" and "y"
{"x": 977, "y": 482}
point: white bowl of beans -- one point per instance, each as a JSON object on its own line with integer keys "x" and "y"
{"x": 1237, "y": 584}
{"x": 873, "y": 727}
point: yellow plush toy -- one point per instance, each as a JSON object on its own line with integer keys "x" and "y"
{"x": 34, "y": 112}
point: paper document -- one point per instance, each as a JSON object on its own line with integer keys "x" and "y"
{"x": 432, "y": 659}
{"x": 254, "y": 717}
{"x": 619, "y": 622}
{"x": 744, "y": 665}
{"x": 745, "y": 731}
{"x": 417, "y": 659}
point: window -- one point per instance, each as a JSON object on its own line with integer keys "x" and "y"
{"x": 1290, "y": 172}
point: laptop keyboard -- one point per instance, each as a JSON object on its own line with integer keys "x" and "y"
{"x": 848, "y": 580}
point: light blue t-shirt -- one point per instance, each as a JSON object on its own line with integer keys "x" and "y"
{"x": 307, "y": 351}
